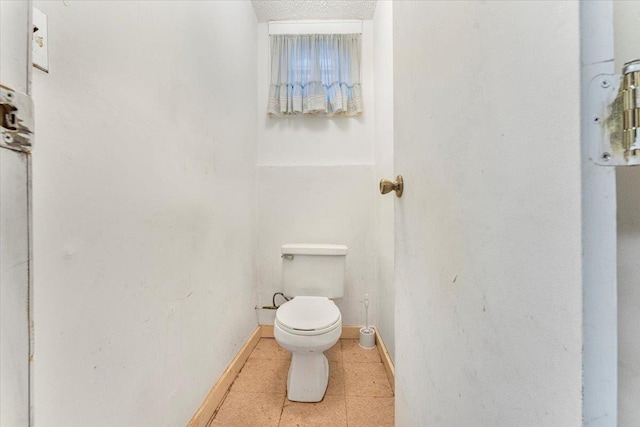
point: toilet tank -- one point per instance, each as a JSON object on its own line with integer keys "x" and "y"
{"x": 313, "y": 269}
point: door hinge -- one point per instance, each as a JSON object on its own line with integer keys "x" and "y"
{"x": 616, "y": 102}
{"x": 16, "y": 120}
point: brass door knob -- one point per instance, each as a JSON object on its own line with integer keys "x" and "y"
{"x": 386, "y": 186}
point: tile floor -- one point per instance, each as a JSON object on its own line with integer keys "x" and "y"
{"x": 358, "y": 393}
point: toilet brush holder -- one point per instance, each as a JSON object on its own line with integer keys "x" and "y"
{"x": 367, "y": 338}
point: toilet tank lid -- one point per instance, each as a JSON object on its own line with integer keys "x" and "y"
{"x": 313, "y": 249}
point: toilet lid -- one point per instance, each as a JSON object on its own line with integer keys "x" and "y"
{"x": 308, "y": 313}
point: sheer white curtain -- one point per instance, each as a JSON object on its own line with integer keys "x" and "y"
{"x": 315, "y": 74}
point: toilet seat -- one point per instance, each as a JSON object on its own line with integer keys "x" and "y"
{"x": 308, "y": 316}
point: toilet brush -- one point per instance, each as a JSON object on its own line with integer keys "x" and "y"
{"x": 367, "y": 334}
{"x": 366, "y": 313}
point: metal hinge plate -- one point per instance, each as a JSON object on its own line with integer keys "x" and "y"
{"x": 16, "y": 120}
{"x": 614, "y": 110}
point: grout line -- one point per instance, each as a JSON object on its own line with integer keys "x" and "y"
{"x": 346, "y": 410}
{"x": 282, "y": 409}
{"x": 344, "y": 377}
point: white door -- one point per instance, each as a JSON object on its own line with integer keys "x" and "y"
{"x": 15, "y": 164}
{"x": 488, "y": 230}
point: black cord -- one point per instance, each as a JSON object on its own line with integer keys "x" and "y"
{"x": 273, "y": 301}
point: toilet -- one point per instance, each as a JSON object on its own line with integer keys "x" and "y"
{"x": 310, "y": 323}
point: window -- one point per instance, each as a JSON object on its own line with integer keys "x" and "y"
{"x": 316, "y": 74}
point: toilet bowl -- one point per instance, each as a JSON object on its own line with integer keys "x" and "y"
{"x": 307, "y": 326}
{"x": 310, "y": 323}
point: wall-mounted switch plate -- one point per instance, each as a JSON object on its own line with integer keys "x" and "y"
{"x": 40, "y": 41}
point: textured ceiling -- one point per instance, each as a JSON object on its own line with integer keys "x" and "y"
{"x": 282, "y": 10}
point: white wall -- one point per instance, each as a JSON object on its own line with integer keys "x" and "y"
{"x": 488, "y": 232}
{"x": 328, "y": 204}
{"x": 144, "y": 221}
{"x": 383, "y": 154}
{"x": 316, "y": 184}
{"x": 627, "y": 48}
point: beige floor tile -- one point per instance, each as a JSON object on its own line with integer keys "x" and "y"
{"x": 370, "y": 411}
{"x": 353, "y": 353}
{"x": 268, "y": 348}
{"x": 335, "y": 352}
{"x": 263, "y": 376}
{"x": 243, "y": 409}
{"x": 336, "y": 379}
{"x": 358, "y": 393}
{"x": 366, "y": 379}
{"x": 331, "y": 412}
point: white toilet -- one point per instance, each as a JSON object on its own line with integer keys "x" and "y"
{"x": 310, "y": 323}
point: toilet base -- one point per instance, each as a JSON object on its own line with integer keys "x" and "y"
{"x": 308, "y": 377}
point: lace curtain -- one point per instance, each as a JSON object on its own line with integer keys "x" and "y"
{"x": 316, "y": 74}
